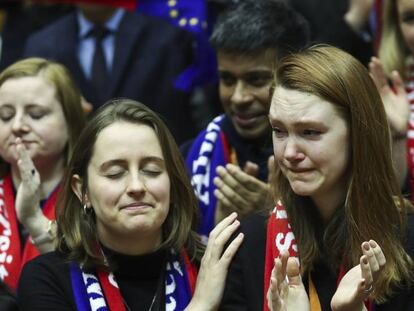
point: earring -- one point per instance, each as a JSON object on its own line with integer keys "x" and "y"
{"x": 87, "y": 210}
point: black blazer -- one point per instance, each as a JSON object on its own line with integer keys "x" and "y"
{"x": 149, "y": 55}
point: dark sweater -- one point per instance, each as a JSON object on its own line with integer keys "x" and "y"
{"x": 245, "y": 283}
{"x": 45, "y": 283}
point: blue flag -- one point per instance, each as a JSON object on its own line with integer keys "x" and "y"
{"x": 192, "y": 16}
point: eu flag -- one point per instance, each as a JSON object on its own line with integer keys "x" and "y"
{"x": 191, "y": 15}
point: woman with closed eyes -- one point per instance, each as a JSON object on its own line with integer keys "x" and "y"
{"x": 40, "y": 118}
{"x": 126, "y": 225}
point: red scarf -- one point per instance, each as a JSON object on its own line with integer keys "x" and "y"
{"x": 409, "y": 87}
{"x": 12, "y": 259}
{"x": 280, "y": 238}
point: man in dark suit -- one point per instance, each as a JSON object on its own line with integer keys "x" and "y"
{"x": 139, "y": 58}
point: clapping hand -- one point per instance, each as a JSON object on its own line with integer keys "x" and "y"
{"x": 394, "y": 97}
{"x": 286, "y": 291}
{"x": 359, "y": 282}
{"x": 240, "y": 190}
{"x": 214, "y": 265}
{"x": 28, "y": 192}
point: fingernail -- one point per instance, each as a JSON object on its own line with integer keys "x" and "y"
{"x": 220, "y": 170}
{"x": 366, "y": 246}
{"x": 372, "y": 243}
{"x": 365, "y": 260}
{"x": 236, "y": 223}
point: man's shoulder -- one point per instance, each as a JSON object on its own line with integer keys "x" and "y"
{"x": 57, "y": 27}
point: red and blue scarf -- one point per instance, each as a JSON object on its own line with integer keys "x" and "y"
{"x": 100, "y": 291}
{"x": 209, "y": 150}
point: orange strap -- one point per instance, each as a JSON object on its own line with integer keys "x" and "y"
{"x": 315, "y": 305}
{"x": 233, "y": 156}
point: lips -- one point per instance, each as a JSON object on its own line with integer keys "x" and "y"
{"x": 24, "y": 142}
{"x": 299, "y": 170}
{"x": 136, "y": 206}
{"x": 246, "y": 120}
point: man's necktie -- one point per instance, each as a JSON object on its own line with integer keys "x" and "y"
{"x": 100, "y": 75}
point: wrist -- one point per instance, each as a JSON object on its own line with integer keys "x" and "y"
{"x": 46, "y": 236}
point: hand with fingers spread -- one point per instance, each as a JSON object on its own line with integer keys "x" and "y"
{"x": 359, "y": 282}
{"x": 214, "y": 265}
{"x": 28, "y": 192}
{"x": 240, "y": 191}
{"x": 286, "y": 291}
{"x": 394, "y": 97}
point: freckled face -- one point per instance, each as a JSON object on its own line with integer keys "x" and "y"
{"x": 128, "y": 184}
{"x": 310, "y": 141}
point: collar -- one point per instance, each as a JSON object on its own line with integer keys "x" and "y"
{"x": 112, "y": 24}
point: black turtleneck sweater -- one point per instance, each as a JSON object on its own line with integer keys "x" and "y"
{"x": 45, "y": 282}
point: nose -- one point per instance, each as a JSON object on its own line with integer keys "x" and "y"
{"x": 293, "y": 152}
{"x": 136, "y": 184}
{"x": 241, "y": 93}
{"x": 19, "y": 125}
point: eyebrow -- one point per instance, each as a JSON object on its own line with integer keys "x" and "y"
{"x": 303, "y": 123}
{"x": 251, "y": 72}
{"x": 120, "y": 162}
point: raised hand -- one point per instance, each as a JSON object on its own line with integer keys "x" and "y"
{"x": 358, "y": 13}
{"x": 286, "y": 291}
{"x": 240, "y": 191}
{"x": 359, "y": 282}
{"x": 394, "y": 97}
{"x": 214, "y": 265}
{"x": 28, "y": 192}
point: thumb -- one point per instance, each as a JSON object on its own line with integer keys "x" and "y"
{"x": 251, "y": 168}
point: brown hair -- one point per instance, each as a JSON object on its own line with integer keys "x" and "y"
{"x": 67, "y": 93}
{"x": 369, "y": 210}
{"x": 77, "y": 234}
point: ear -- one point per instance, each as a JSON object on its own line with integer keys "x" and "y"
{"x": 76, "y": 185}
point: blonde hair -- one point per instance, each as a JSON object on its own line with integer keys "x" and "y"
{"x": 393, "y": 51}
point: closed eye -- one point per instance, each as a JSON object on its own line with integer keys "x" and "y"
{"x": 151, "y": 172}
{"x": 6, "y": 114}
{"x": 114, "y": 175}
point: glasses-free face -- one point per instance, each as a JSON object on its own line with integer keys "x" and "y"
{"x": 405, "y": 10}
{"x": 245, "y": 81}
{"x": 128, "y": 187}
{"x": 311, "y": 145}
{"x": 29, "y": 110}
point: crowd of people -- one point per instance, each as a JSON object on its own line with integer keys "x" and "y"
{"x": 297, "y": 196}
